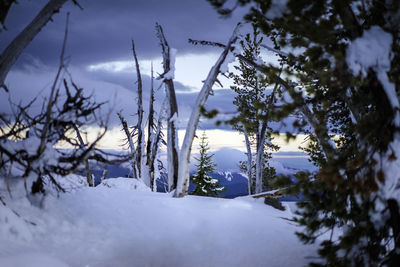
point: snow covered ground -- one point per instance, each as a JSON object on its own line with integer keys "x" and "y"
{"x": 119, "y": 223}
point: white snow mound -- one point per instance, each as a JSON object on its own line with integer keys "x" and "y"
{"x": 124, "y": 183}
{"x": 112, "y": 225}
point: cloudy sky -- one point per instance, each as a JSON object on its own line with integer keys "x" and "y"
{"x": 100, "y": 58}
{"x": 99, "y": 52}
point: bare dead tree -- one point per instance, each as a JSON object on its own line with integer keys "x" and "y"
{"x": 150, "y": 132}
{"x": 156, "y": 141}
{"x": 172, "y": 136}
{"x": 29, "y": 131}
{"x": 150, "y": 126}
{"x": 27, "y": 140}
{"x": 129, "y": 141}
{"x": 10, "y": 55}
{"x": 144, "y": 150}
{"x": 139, "y": 126}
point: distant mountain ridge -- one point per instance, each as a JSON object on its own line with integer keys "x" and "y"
{"x": 235, "y": 183}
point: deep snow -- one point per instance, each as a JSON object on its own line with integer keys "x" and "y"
{"x": 119, "y": 223}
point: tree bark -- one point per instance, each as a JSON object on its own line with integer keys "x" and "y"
{"x": 172, "y": 135}
{"x": 150, "y": 132}
{"x": 139, "y": 126}
{"x": 156, "y": 140}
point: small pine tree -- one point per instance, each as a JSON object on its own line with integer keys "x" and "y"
{"x": 205, "y": 184}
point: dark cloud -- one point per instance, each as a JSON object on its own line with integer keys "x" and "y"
{"x": 103, "y": 30}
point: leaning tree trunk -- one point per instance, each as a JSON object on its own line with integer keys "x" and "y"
{"x": 184, "y": 157}
{"x": 15, "y": 48}
{"x": 172, "y": 135}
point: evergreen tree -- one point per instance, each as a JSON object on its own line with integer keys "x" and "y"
{"x": 205, "y": 184}
{"x": 255, "y": 97}
{"x": 343, "y": 80}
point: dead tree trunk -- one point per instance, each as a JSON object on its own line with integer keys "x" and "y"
{"x": 15, "y": 48}
{"x": 172, "y": 135}
{"x": 130, "y": 143}
{"x": 150, "y": 132}
{"x": 139, "y": 126}
{"x": 184, "y": 157}
{"x": 155, "y": 143}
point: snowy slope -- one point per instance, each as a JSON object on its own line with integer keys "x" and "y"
{"x": 121, "y": 226}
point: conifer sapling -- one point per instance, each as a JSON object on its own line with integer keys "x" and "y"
{"x": 205, "y": 184}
